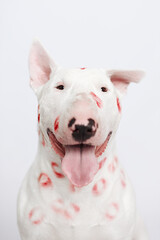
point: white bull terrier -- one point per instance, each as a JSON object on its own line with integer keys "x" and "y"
{"x": 76, "y": 188}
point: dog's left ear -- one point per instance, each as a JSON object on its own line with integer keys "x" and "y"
{"x": 121, "y": 79}
{"x": 40, "y": 65}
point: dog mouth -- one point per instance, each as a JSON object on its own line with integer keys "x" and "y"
{"x": 79, "y": 161}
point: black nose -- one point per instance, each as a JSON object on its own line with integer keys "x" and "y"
{"x": 82, "y": 133}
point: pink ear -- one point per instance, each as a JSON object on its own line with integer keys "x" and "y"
{"x": 121, "y": 79}
{"x": 40, "y": 65}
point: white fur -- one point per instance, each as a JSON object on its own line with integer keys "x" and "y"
{"x": 112, "y": 214}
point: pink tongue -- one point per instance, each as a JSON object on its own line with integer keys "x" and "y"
{"x": 80, "y": 164}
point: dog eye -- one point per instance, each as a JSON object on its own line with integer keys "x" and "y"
{"x": 60, "y": 87}
{"x": 104, "y": 89}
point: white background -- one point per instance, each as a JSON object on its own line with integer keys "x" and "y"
{"x": 104, "y": 33}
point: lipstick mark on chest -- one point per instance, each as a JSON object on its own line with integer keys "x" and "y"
{"x": 75, "y": 207}
{"x": 36, "y": 216}
{"x": 112, "y": 211}
{"x": 99, "y": 187}
{"x": 67, "y": 211}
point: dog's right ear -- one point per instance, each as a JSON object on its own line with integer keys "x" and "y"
{"x": 40, "y": 65}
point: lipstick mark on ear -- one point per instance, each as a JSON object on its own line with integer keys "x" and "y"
{"x": 56, "y": 124}
{"x": 118, "y": 105}
{"x": 58, "y": 174}
{"x": 97, "y": 99}
{"x": 44, "y": 180}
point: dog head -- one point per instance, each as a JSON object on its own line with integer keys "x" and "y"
{"x": 79, "y": 110}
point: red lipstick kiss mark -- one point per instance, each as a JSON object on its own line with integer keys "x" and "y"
{"x": 99, "y": 187}
{"x": 36, "y": 216}
{"x": 118, "y": 105}
{"x": 83, "y": 68}
{"x": 38, "y": 115}
{"x": 101, "y": 163}
{"x": 97, "y": 99}
{"x": 56, "y": 124}
{"x": 123, "y": 183}
{"x": 44, "y": 180}
{"x": 75, "y": 207}
{"x": 59, "y": 208}
{"x": 66, "y": 214}
{"x": 58, "y": 174}
{"x": 112, "y": 211}
{"x": 111, "y": 167}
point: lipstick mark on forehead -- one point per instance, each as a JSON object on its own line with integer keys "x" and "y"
{"x": 118, "y": 105}
{"x": 56, "y": 124}
{"x": 97, "y": 99}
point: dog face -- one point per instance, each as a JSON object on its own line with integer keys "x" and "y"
{"x": 79, "y": 111}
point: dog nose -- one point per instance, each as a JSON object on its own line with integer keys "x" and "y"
{"x": 81, "y": 132}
